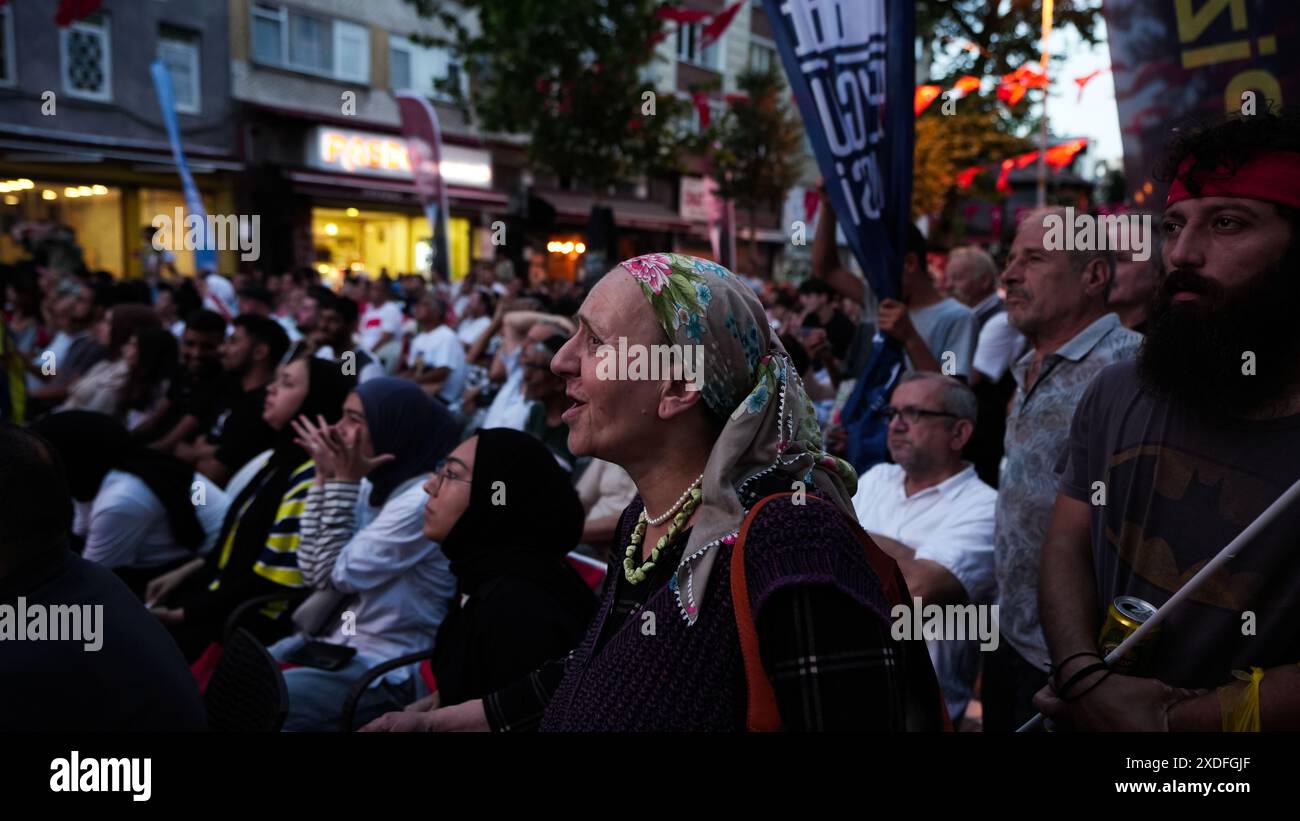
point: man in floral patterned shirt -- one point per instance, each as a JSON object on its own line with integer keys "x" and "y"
{"x": 1057, "y": 299}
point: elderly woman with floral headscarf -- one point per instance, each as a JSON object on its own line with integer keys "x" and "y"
{"x": 742, "y": 594}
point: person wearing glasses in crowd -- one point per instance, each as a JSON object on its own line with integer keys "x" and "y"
{"x": 930, "y": 511}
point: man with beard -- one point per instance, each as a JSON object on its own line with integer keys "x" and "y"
{"x": 192, "y": 396}
{"x": 1057, "y": 299}
{"x": 1173, "y": 456}
{"x": 249, "y": 358}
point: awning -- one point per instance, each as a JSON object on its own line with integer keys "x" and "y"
{"x": 144, "y": 160}
{"x": 325, "y": 184}
{"x": 641, "y": 214}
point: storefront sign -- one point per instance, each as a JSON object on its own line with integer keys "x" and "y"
{"x": 365, "y": 152}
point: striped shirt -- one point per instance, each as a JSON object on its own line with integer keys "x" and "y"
{"x": 328, "y": 526}
{"x": 278, "y": 560}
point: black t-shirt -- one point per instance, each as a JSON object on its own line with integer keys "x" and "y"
{"x": 238, "y": 430}
{"x": 136, "y": 680}
{"x": 1178, "y": 488}
{"x": 186, "y": 395}
{"x": 839, "y": 332}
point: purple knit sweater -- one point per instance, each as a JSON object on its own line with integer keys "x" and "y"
{"x": 691, "y": 677}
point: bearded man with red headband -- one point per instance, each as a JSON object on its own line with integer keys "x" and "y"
{"x": 1173, "y": 455}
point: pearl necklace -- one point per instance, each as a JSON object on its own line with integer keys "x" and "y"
{"x": 636, "y": 575}
{"x": 655, "y": 521}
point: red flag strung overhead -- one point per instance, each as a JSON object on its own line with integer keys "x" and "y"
{"x": 966, "y": 178}
{"x": 924, "y": 96}
{"x": 967, "y": 84}
{"x": 1058, "y": 156}
{"x": 1014, "y": 85}
{"x": 70, "y": 11}
{"x": 811, "y": 199}
{"x": 701, "y": 100}
{"x": 719, "y": 24}
{"x": 679, "y": 15}
{"x": 1083, "y": 81}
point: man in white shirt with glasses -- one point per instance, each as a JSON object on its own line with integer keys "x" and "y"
{"x": 930, "y": 511}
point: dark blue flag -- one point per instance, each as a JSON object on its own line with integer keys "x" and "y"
{"x": 850, "y": 66}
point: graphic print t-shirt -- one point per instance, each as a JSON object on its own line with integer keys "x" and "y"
{"x": 1178, "y": 488}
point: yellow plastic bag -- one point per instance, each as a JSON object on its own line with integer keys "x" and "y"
{"x": 1239, "y": 709}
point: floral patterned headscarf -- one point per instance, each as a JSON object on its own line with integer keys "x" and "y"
{"x": 748, "y": 380}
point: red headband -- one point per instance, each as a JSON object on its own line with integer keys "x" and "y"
{"x": 1270, "y": 175}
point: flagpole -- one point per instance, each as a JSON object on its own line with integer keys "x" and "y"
{"x": 1047, "y": 90}
{"x": 1234, "y": 547}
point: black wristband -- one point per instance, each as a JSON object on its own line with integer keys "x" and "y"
{"x": 1056, "y": 668}
{"x": 1078, "y": 677}
{"x": 1094, "y": 686}
{"x": 1069, "y": 659}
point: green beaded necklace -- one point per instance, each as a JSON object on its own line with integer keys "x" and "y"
{"x": 636, "y": 575}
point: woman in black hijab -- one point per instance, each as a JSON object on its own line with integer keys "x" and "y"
{"x": 255, "y": 554}
{"x": 505, "y": 515}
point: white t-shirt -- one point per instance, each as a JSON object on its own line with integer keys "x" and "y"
{"x": 127, "y": 525}
{"x": 290, "y": 327}
{"x": 470, "y": 329}
{"x": 440, "y": 348}
{"x": 369, "y": 365}
{"x": 952, "y": 524}
{"x": 377, "y": 321}
{"x": 510, "y": 408}
{"x": 999, "y": 345}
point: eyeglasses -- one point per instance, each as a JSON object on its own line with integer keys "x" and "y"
{"x": 912, "y": 415}
{"x": 442, "y": 473}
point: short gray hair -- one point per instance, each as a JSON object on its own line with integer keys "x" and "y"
{"x": 985, "y": 267}
{"x": 956, "y": 397}
{"x": 1079, "y": 259}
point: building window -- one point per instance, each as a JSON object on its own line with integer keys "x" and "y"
{"x": 423, "y": 69}
{"x": 761, "y": 58}
{"x": 316, "y": 45}
{"x": 268, "y": 41}
{"x": 352, "y": 52}
{"x": 85, "y": 59}
{"x": 310, "y": 46}
{"x": 7, "y": 62}
{"x": 689, "y": 48}
{"x": 399, "y": 67}
{"x": 179, "y": 51}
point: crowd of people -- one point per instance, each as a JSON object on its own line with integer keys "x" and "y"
{"x": 406, "y": 465}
